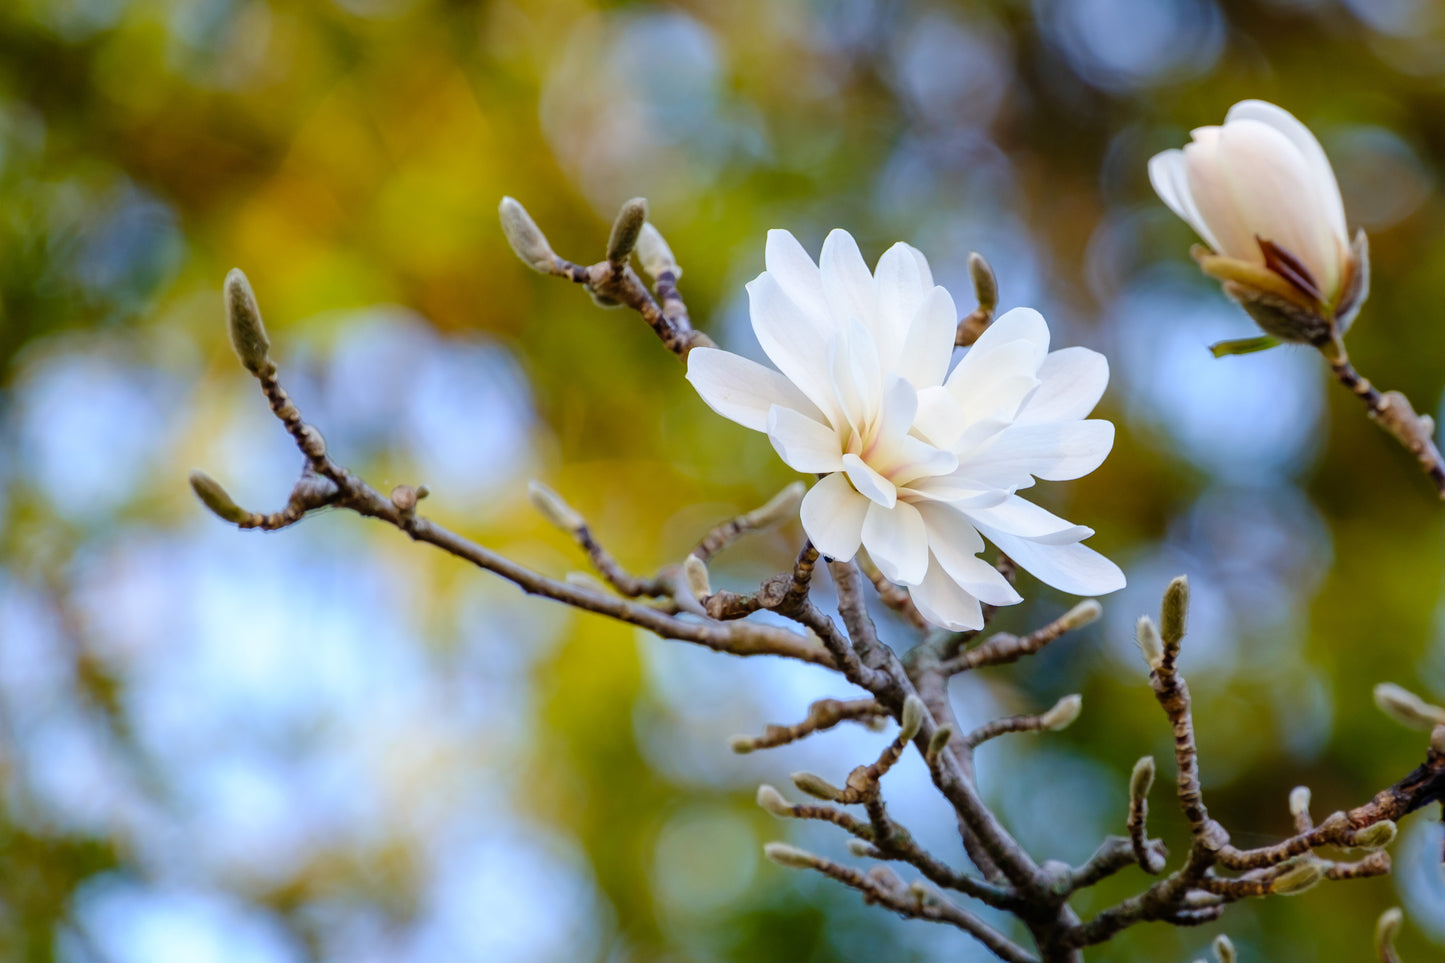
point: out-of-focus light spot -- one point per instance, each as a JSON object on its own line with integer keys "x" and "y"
{"x": 127, "y": 247}
{"x": 376, "y": 9}
{"x": 951, "y": 73}
{"x": 77, "y": 20}
{"x": 133, "y": 923}
{"x": 1128, "y": 44}
{"x": 90, "y": 427}
{"x": 1064, "y": 822}
{"x": 1417, "y": 875}
{"x": 1239, "y": 418}
{"x": 1398, "y": 17}
{"x": 705, "y": 859}
{"x": 1382, "y": 178}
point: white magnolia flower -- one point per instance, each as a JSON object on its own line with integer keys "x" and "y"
{"x": 918, "y": 463}
{"x": 1260, "y": 190}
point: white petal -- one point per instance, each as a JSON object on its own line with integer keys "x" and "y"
{"x": 913, "y": 459}
{"x": 1071, "y": 382}
{"x": 832, "y": 516}
{"x": 1219, "y": 221}
{"x": 901, "y": 289}
{"x": 896, "y": 413}
{"x": 1053, "y": 451}
{"x": 804, "y": 444}
{"x": 955, "y": 545}
{"x": 993, "y": 381}
{"x": 939, "y": 419}
{"x": 897, "y": 541}
{"x": 1018, "y": 324}
{"x": 944, "y": 602}
{"x": 847, "y": 282}
{"x": 793, "y": 341}
{"x": 1070, "y": 568}
{"x": 796, "y": 274}
{"x": 1023, "y": 518}
{"x": 856, "y": 375}
{"x": 1168, "y": 172}
{"x": 742, "y": 390}
{"x": 869, "y": 483}
{"x": 1327, "y": 189}
{"x": 957, "y": 490}
{"x": 928, "y": 346}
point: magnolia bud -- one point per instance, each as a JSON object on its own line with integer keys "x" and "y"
{"x": 1149, "y": 641}
{"x": 554, "y": 509}
{"x": 1406, "y": 708}
{"x": 1064, "y": 712}
{"x": 742, "y": 745}
{"x": 914, "y": 712}
{"x": 1299, "y": 801}
{"x": 939, "y": 741}
{"x": 526, "y": 238}
{"x": 1174, "y": 615}
{"x": 1141, "y": 780}
{"x": 985, "y": 284}
{"x": 626, "y": 229}
{"x": 789, "y": 856}
{"x": 816, "y": 786}
{"x": 1376, "y": 835}
{"x": 1224, "y": 949}
{"x": 772, "y": 801}
{"x": 1386, "y": 929}
{"x": 243, "y": 319}
{"x": 861, "y": 848}
{"x": 214, "y": 497}
{"x": 655, "y": 254}
{"x": 694, "y": 570}
{"x": 1298, "y": 878}
{"x": 1080, "y": 615}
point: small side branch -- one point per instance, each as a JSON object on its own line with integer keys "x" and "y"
{"x": 1392, "y": 411}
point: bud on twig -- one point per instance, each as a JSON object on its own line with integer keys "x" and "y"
{"x": 939, "y": 742}
{"x": 214, "y": 497}
{"x": 1141, "y": 780}
{"x": 1376, "y": 835}
{"x": 816, "y": 786}
{"x": 985, "y": 284}
{"x": 1406, "y": 708}
{"x": 1437, "y": 739}
{"x": 1299, "y": 801}
{"x": 1224, "y": 949}
{"x": 861, "y": 848}
{"x": 1174, "y": 615}
{"x": 1297, "y": 879}
{"x": 243, "y": 320}
{"x": 914, "y": 712}
{"x": 655, "y": 254}
{"x": 772, "y": 801}
{"x": 1085, "y": 613}
{"x": 694, "y": 570}
{"x": 1064, "y": 712}
{"x": 789, "y": 856}
{"x": 1149, "y": 641}
{"x": 551, "y": 507}
{"x": 1386, "y": 930}
{"x": 526, "y": 238}
{"x": 626, "y": 229}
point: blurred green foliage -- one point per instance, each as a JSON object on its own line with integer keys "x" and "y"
{"x": 349, "y": 155}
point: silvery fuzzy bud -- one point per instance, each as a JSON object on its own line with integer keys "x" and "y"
{"x": 985, "y": 284}
{"x": 526, "y": 238}
{"x": 1064, "y": 712}
{"x": 1300, "y": 877}
{"x": 551, "y": 507}
{"x": 1174, "y": 614}
{"x": 694, "y": 570}
{"x": 816, "y": 786}
{"x": 1299, "y": 801}
{"x": 1260, "y": 192}
{"x": 1141, "y": 780}
{"x": 1406, "y": 708}
{"x": 914, "y": 712}
{"x": 1224, "y": 949}
{"x": 789, "y": 856}
{"x": 216, "y": 498}
{"x": 655, "y": 253}
{"x": 243, "y": 321}
{"x": 1376, "y": 835}
{"x": 1386, "y": 929}
{"x": 939, "y": 741}
{"x": 772, "y": 801}
{"x": 626, "y": 229}
{"x": 1085, "y": 613}
{"x": 1147, "y": 635}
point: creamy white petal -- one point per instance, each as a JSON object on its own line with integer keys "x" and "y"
{"x": 793, "y": 341}
{"x": 1209, "y": 190}
{"x": 897, "y": 541}
{"x": 955, "y": 545}
{"x": 913, "y": 459}
{"x": 832, "y": 515}
{"x": 994, "y": 382}
{"x": 856, "y": 375}
{"x": 869, "y": 482}
{"x": 939, "y": 417}
{"x": 928, "y": 346}
{"x": 1023, "y": 518}
{"x": 804, "y": 444}
{"x": 1327, "y": 188}
{"x": 901, "y": 289}
{"x": 742, "y": 390}
{"x": 1071, "y": 382}
{"x": 793, "y": 270}
{"x": 1070, "y": 568}
{"x": 1052, "y": 451}
{"x": 847, "y": 282}
{"x": 957, "y": 490}
{"x": 1017, "y": 324}
{"x": 1168, "y": 172}
{"x": 944, "y": 602}
{"x": 896, "y": 414}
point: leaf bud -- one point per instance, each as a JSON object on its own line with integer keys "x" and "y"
{"x": 861, "y": 848}
{"x": 742, "y": 745}
{"x": 985, "y": 284}
{"x": 1376, "y": 835}
{"x": 1299, "y": 801}
{"x": 1174, "y": 614}
{"x": 626, "y": 229}
{"x": 1298, "y": 878}
{"x": 816, "y": 786}
{"x": 1386, "y": 929}
{"x": 772, "y": 801}
{"x": 551, "y": 506}
{"x": 941, "y": 737}
{"x": 1080, "y": 615}
{"x": 655, "y": 254}
{"x": 1064, "y": 712}
{"x": 1141, "y": 780}
{"x": 694, "y": 570}
{"x": 526, "y": 238}
{"x": 243, "y": 320}
{"x": 1224, "y": 949}
{"x": 1150, "y": 643}
{"x": 914, "y": 712}
{"x": 789, "y": 856}
{"x": 1406, "y": 708}
{"x": 214, "y": 497}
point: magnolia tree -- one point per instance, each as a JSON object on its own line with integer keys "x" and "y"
{"x": 918, "y": 463}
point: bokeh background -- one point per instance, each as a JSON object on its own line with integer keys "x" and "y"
{"x": 331, "y": 744}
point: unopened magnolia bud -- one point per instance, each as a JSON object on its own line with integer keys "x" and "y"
{"x": 526, "y": 238}
{"x": 985, "y": 284}
{"x": 742, "y": 745}
{"x": 655, "y": 254}
{"x": 789, "y": 856}
{"x": 939, "y": 742}
{"x": 816, "y": 786}
{"x": 243, "y": 319}
{"x": 781, "y": 507}
{"x": 1224, "y": 949}
{"x": 1299, "y": 801}
{"x": 1064, "y": 712}
{"x": 554, "y": 509}
{"x": 1437, "y": 739}
{"x": 1376, "y": 835}
{"x": 1174, "y": 615}
{"x": 886, "y": 879}
{"x": 1406, "y": 708}
{"x": 1141, "y": 780}
{"x": 772, "y": 801}
{"x": 1081, "y": 615}
{"x": 694, "y": 570}
{"x": 914, "y": 712}
{"x": 1298, "y": 878}
{"x": 1386, "y": 929}
{"x": 861, "y": 848}
{"x": 1149, "y": 641}
{"x": 214, "y": 497}
{"x": 626, "y": 229}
